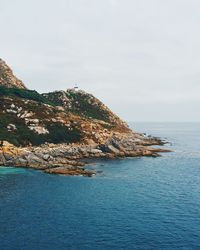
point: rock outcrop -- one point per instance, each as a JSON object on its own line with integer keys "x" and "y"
{"x": 68, "y": 159}
{"x": 7, "y": 77}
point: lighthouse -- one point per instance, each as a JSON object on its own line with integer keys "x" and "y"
{"x": 76, "y": 87}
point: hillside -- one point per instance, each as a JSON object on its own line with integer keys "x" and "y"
{"x": 29, "y": 118}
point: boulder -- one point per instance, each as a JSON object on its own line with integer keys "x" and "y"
{"x": 108, "y": 148}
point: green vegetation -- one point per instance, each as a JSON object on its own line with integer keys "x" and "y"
{"x": 53, "y": 97}
{"x": 82, "y": 105}
{"x": 24, "y": 93}
{"x": 23, "y": 136}
{"x": 59, "y": 133}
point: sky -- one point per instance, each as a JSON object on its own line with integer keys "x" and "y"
{"x": 140, "y": 57}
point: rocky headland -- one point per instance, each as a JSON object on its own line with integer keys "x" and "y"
{"x": 55, "y": 132}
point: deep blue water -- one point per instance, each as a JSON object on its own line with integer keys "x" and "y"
{"x": 140, "y": 203}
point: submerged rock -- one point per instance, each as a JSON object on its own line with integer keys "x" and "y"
{"x": 69, "y": 171}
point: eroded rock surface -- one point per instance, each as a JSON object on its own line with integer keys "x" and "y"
{"x": 7, "y": 77}
{"x": 68, "y": 159}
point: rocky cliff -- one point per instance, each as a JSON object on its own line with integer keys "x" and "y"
{"x": 7, "y": 78}
{"x": 55, "y": 131}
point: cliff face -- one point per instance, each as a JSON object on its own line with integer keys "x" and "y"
{"x": 7, "y": 78}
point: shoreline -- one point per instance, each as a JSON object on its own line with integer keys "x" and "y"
{"x": 68, "y": 159}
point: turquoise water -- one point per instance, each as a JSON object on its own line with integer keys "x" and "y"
{"x": 140, "y": 203}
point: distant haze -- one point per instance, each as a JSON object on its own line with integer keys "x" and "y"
{"x": 140, "y": 57}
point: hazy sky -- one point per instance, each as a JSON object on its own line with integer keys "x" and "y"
{"x": 140, "y": 57}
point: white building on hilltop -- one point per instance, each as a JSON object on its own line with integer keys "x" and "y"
{"x": 76, "y": 87}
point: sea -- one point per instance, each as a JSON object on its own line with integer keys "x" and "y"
{"x": 133, "y": 203}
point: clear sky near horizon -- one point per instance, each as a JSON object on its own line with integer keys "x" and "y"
{"x": 140, "y": 57}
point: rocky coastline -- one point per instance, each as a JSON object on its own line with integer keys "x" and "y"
{"x": 58, "y": 131}
{"x": 69, "y": 159}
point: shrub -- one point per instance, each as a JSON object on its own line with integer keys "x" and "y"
{"x": 24, "y": 93}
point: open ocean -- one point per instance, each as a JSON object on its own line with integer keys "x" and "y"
{"x": 135, "y": 203}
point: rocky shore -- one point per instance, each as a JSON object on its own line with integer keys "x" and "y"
{"x": 57, "y": 131}
{"x": 68, "y": 159}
